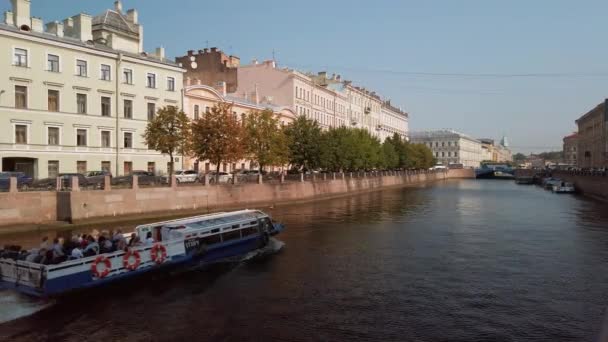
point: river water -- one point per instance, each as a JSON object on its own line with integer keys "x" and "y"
{"x": 462, "y": 260}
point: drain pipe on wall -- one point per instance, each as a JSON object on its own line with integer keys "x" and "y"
{"x": 117, "y": 133}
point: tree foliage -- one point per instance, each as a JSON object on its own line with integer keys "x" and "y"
{"x": 169, "y": 133}
{"x": 304, "y": 143}
{"x": 217, "y": 136}
{"x": 265, "y": 141}
{"x": 519, "y": 157}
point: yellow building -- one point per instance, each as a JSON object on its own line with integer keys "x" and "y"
{"x": 78, "y": 95}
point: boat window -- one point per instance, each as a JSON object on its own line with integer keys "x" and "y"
{"x": 253, "y": 222}
{"x": 235, "y": 226}
{"x": 265, "y": 224}
{"x": 211, "y": 240}
{"x": 234, "y": 235}
{"x": 249, "y": 231}
{"x": 215, "y": 231}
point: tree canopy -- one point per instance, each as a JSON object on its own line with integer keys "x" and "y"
{"x": 169, "y": 133}
{"x": 304, "y": 143}
{"x": 265, "y": 141}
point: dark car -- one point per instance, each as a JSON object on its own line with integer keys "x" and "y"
{"x": 66, "y": 182}
{"x": 97, "y": 178}
{"x": 143, "y": 178}
{"x": 23, "y": 181}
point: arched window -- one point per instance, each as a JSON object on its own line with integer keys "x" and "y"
{"x": 196, "y": 112}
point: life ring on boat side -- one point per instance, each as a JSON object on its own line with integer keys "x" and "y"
{"x": 107, "y": 264}
{"x": 126, "y": 260}
{"x": 158, "y": 253}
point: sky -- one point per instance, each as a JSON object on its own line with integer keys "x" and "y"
{"x": 520, "y": 68}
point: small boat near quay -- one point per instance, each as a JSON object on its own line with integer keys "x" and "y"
{"x": 197, "y": 240}
{"x": 549, "y": 182}
{"x": 564, "y": 188}
{"x": 525, "y": 180}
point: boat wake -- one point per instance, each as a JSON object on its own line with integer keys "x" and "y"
{"x": 274, "y": 246}
{"x": 14, "y": 306}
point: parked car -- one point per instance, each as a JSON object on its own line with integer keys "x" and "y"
{"x": 66, "y": 182}
{"x": 23, "y": 181}
{"x": 222, "y": 177}
{"x": 186, "y": 176}
{"x": 97, "y": 178}
{"x": 248, "y": 175}
{"x": 143, "y": 178}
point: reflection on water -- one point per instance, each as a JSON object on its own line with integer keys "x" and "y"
{"x": 456, "y": 261}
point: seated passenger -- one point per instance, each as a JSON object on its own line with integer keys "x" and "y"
{"x": 149, "y": 239}
{"x": 45, "y": 244}
{"x": 58, "y": 252}
{"x": 121, "y": 245}
{"x": 77, "y": 253}
{"x": 132, "y": 240}
{"x": 92, "y": 248}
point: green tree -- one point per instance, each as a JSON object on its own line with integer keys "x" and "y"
{"x": 304, "y": 143}
{"x": 422, "y": 156}
{"x": 217, "y": 136}
{"x": 519, "y": 157}
{"x": 169, "y": 133}
{"x": 265, "y": 142}
{"x": 390, "y": 157}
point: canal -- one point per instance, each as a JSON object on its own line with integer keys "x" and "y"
{"x": 461, "y": 260}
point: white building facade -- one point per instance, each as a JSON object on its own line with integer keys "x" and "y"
{"x": 451, "y": 147}
{"x": 77, "y": 96}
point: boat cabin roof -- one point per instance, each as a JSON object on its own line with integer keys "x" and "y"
{"x": 205, "y": 221}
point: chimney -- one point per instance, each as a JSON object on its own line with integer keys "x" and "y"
{"x": 323, "y": 74}
{"x": 213, "y": 49}
{"x": 133, "y": 16}
{"x": 254, "y": 62}
{"x": 221, "y": 87}
{"x": 190, "y": 53}
{"x": 188, "y": 81}
{"x": 201, "y": 52}
{"x": 55, "y": 28}
{"x": 235, "y": 62}
{"x": 21, "y": 14}
{"x": 37, "y": 25}
{"x": 118, "y": 6}
{"x": 9, "y": 19}
{"x": 83, "y": 27}
{"x": 205, "y": 50}
{"x": 198, "y": 82}
{"x": 160, "y": 52}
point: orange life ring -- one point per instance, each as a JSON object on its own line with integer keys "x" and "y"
{"x": 154, "y": 253}
{"x": 126, "y": 260}
{"x": 107, "y": 264}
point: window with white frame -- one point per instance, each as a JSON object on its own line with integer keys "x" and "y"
{"x": 196, "y": 112}
{"x": 106, "y": 106}
{"x": 53, "y": 136}
{"x": 170, "y": 84}
{"x": 20, "y": 134}
{"x": 20, "y": 96}
{"x": 106, "y": 139}
{"x": 127, "y": 76}
{"x": 53, "y": 63}
{"x": 151, "y": 111}
{"x": 151, "y": 80}
{"x": 81, "y": 103}
{"x": 81, "y": 68}
{"x": 20, "y": 58}
{"x": 128, "y": 140}
{"x": 106, "y": 72}
{"x": 128, "y": 109}
{"x": 81, "y": 137}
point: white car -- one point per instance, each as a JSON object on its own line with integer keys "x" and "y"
{"x": 222, "y": 178}
{"x": 187, "y": 176}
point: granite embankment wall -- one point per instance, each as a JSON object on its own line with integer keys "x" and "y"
{"x": 73, "y": 206}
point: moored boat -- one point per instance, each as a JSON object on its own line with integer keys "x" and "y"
{"x": 200, "y": 239}
{"x": 564, "y": 188}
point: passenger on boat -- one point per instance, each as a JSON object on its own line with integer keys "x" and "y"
{"x": 45, "y": 244}
{"x": 84, "y": 241}
{"x": 149, "y": 239}
{"x": 92, "y": 247}
{"x": 58, "y": 252}
{"x": 121, "y": 245}
{"x": 76, "y": 253}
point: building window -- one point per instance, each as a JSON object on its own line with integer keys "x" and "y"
{"x": 106, "y": 106}
{"x": 106, "y": 139}
{"x": 151, "y": 81}
{"x": 207, "y": 110}
{"x": 196, "y": 112}
{"x": 170, "y": 84}
{"x": 81, "y": 68}
{"x": 106, "y": 166}
{"x": 81, "y": 166}
{"x": 20, "y": 134}
{"x": 152, "y": 167}
{"x": 81, "y": 103}
{"x": 20, "y": 58}
{"x": 455, "y": 154}
{"x": 81, "y": 137}
{"x": 128, "y": 109}
{"x": 53, "y": 101}
{"x": 53, "y": 168}
{"x": 53, "y": 63}
{"x": 106, "y": 72}
{"x": 128, "y": 140}
{"x": 127, "y": 167}
{"x": 151, "y": 111}
{"x": 442, "y": 154}
{"x": 53, "y": 136}
{"x": 127, "y": 76}
{"x": 20, "y": 97}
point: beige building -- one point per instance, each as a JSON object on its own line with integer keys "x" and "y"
{"x": 199, "y": 99}
{"x": 329, "y": 100}
{"x": 593, "y": 138}
{"x": 451, "y": 147}
{"x": 498, "y": 153}
{"x": 570, "y": 150}
{"x": 77, "y": 95}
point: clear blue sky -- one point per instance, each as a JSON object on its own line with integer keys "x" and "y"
{"x": 383, "y": 44}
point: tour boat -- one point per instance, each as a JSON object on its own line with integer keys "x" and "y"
{"x": 194, "y": 240}
{"x": 564, "y": 188}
